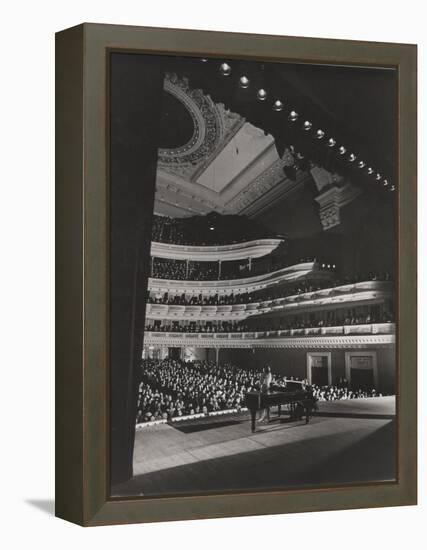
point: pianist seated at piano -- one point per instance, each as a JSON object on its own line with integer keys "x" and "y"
{"x": 295, "y": 395}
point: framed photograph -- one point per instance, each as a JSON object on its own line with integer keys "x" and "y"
{"x": 236, "y": 274}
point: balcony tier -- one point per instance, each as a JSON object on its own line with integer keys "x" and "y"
{"x": 349, "y": 336}
{"x": 228, "y": 252}
{"x": 352, "y": 295}
{"x": 245, "y": 284}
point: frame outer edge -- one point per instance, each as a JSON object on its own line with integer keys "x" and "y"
{"x": 407, "y": 268}
{"x": 96, "y": 289}
{"x": 69, "y": 274}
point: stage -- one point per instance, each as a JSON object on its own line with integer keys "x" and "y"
{"x": 345, "y": 442}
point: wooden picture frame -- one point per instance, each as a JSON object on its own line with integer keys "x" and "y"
{"x": 82, "y": 265}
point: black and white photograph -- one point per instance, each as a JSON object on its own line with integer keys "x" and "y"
{"x": 253, "y": 275}
{"x": 212, "y": 263}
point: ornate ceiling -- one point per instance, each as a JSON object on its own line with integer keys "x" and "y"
{"x": 213, "y": 159}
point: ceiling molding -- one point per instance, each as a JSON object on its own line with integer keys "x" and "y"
{"x": 212, "y": 125}
{"x": 231, "y": 126}
{"x": 332, "y": 200}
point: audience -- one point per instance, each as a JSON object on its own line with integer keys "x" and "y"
{"x": 165, "y": 268}
{"x": 198, "y": 327}
{"x": 211, "y": 230}
{"x": 343, "y": 317}
{"x": 173, "y": 388}
{"x": 162, "y": 268}
{"x": 181, "y": 270}
{"x": 306, "y": 286}
{"x": 333, "y": 393}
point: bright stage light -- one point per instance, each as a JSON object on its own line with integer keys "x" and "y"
{"x": 225, "y": 69}
{"x": 262, "y": 94}
{"x": 244, "y": 82}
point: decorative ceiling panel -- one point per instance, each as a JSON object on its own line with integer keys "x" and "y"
{"x": 226, "y": 165}
{"x": 213, "y": 126}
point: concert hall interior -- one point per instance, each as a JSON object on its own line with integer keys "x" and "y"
{"x": 267, "y": 217}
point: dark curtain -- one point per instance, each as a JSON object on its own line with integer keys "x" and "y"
{"x": 136, "y": 84}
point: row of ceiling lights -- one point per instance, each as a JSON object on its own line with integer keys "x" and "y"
{"x": 225, "y": 70}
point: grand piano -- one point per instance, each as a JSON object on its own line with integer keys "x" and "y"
{"x": 296, "y": 399}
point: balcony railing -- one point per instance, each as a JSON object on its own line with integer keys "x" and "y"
{"x": 371, "y": 292}
{"x": 229, "y": 252}
{"x": 369, "y": 333}
{"x": 244, "y": 284}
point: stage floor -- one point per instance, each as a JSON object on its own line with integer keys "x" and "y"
{"x": 346, "y": 442}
